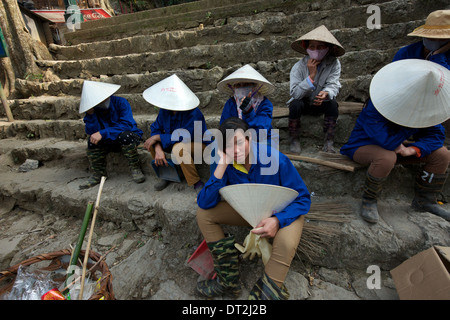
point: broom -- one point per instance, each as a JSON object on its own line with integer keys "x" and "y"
{"x": 320, "y": 226}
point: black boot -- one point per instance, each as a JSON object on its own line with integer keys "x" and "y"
{"x": 427, "y": 187}
{"x": 225, "y": 257}
{"x": 372, "y": 189}
{"x": 329, "y": 129}
{"x": 294, "y": 134}
{"x": 97, "y": 161}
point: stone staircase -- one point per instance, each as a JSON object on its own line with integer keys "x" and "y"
{"x": 203, "y": 42}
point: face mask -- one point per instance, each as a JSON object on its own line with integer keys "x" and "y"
{"x": 434, "y": 45}
{"x": 103, "y": 105}
{"x": 317, "y": 54}
{"x": 242, "y": 92}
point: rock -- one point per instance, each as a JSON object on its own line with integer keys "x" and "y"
{"x": 322, "y": 290}
{"x": 28, "y": 165}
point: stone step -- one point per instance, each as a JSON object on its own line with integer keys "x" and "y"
{"x": 400, "y": 233}
{"x": 204, "y": 81}
{"x": 275, "y": 24}
{"x": 337, "y": 16}
{"x": 210, "y": 56}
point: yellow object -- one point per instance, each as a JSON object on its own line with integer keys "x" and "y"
{"x": 255, "y": 245}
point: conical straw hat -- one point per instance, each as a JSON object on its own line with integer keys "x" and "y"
{"x": 246, "y": 74}
{"x": 412, "y": 93}
{"x": 319, "y": 34}
{"x": 256, "y": 202}
{"x": 95, "y": 92}
{"x": 437, "y": 26}
{"x": 171, "y": 94}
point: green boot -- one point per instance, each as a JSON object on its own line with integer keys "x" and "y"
{"x": 97, "y": 162}
{"x": 225, "y": 257}
{"x": 266, "y": 289}
{"x": 372, "y": 189}
{"x": 130, "y": 152}
{"x": 427, "y": 187}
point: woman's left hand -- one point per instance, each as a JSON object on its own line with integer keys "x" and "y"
{"x": 267, "y": 228}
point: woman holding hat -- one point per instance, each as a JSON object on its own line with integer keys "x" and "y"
{"x": 435, "y": 44}
{"x": 408, "y": 99}
{"x": 110, "y": 125}
{"x": 314, "y": 84}
{"x": 240, "y": 163}
{"x": 178, "y": 116}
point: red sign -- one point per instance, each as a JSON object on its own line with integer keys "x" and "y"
{"x": 57, "y": 16}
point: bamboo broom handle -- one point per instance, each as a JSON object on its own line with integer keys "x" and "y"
{"x": 86, "y": 254}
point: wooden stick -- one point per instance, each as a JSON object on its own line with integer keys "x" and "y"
{"x": 90, "y": 269}
{"x": 86, "y": 254}
{"x": 328, "y": 163}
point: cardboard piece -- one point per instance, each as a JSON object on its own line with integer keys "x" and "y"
{"x": 425, "y": 276}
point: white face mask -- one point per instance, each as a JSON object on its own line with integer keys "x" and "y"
{"x": 104, "y": 104}
{"x": 317, "y": 54}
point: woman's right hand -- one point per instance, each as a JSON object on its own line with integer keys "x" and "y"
{"x": 312, "y": 67}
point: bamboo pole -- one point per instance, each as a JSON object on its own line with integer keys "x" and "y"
{"x": 86, "y": 255}
{"x": 76, "y": 251}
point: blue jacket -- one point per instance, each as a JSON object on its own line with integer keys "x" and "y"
{"x": 284, "y": 175}
{"x": 372, "y": 128}
{"x": 414, "y": 51}
{"x": 166, "y": 123}
{"x": 110, "y": 124}
{"x": 259, "y": 119}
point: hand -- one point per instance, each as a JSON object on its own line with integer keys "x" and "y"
{"x": 160, "y": 156}
{"x": 245, "y": 103}
{"x": 224, "y": 158}
{"x": 151, "y": 141}
{"x": 312, "y": 67}
{"x": 321, "y": 97}
{"x": 95, "y": 138}
{"x": 267, "y": 228}
{"x": 405, "y": 151}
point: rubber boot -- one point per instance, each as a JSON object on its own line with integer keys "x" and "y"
{"x": 372, "y": 189}
{"x": 266, "y": 289}
{"x": 225, "y": 257}
{"x": 294, "y": 134}
{"x": 130, "y": 152}
{"x": 97, "y": 162}
{"x": 329, "y": 129}
{"x": 427, "y": 187}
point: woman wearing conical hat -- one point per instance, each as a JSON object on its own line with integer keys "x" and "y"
{"x": 111, "y": 127}
{"x": 435, "y": 43}
{"x": 248, "y": 89}
{"x": 314, "y": 84}
{"x": 241, "y": 162}
{"x": 409, "y": 98}
{"x": 178, "y": 115}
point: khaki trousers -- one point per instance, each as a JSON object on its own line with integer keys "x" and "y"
{"x": 284, "y": 244}
{"x": 382, "y": 161}
{"x": 184, "y": 155}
